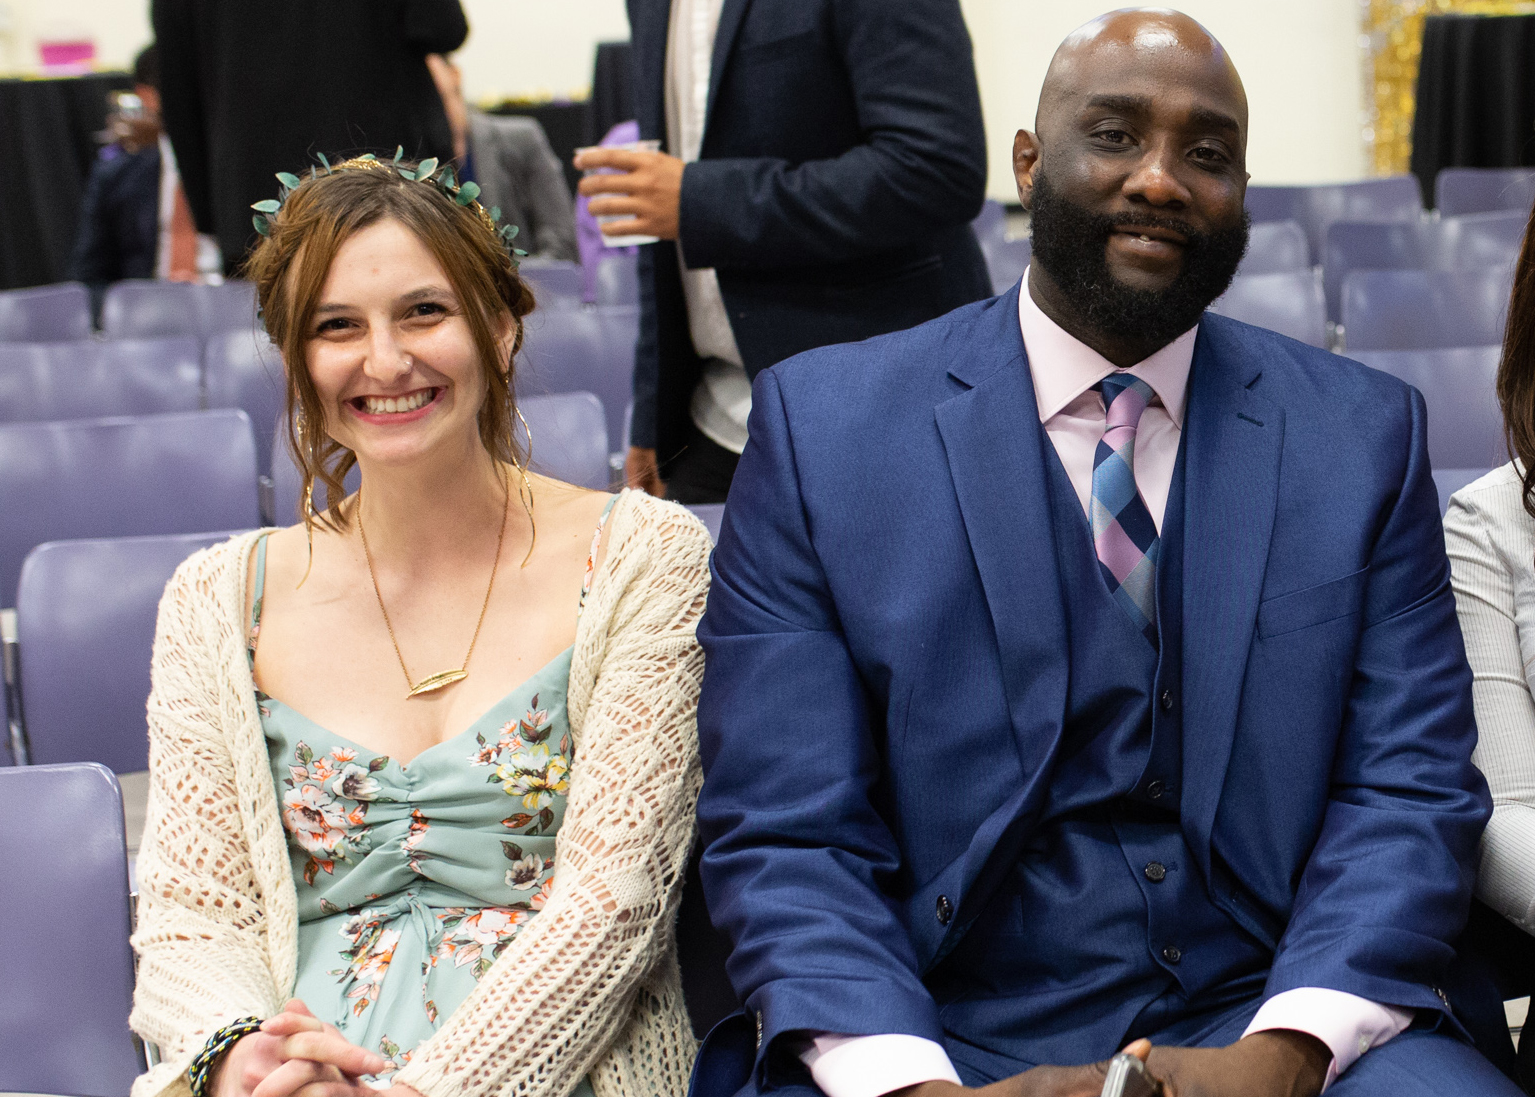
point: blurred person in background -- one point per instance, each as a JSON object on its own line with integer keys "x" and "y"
{"x": 509, "y": 157}
{"x": 134, "y": 221}
{"x": 823, "y": 161}
{"x": 248, "y": 84}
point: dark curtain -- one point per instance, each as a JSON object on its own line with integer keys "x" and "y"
{"x": 47, "y": 145}
{"x": 567, "y": 125}
{"x": 1476, "y": 95}
{"x": 612, "y": 89}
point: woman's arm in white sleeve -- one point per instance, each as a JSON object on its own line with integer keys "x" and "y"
{"x": 1505, "y": 713}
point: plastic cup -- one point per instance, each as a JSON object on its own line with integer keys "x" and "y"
{"x": 622, "y": 241}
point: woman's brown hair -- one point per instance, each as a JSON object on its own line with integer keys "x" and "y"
{"x": 289, "y": 266}
{"x": 1516, "y": 370}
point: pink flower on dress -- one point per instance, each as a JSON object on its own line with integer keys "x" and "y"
{"x": 314, "y": 818}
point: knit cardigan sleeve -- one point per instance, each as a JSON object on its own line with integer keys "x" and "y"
{"x": 564, "y": 993}
{"x": 203, "y": 952}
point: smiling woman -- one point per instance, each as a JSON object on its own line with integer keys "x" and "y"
{"x": 430, "y": 831}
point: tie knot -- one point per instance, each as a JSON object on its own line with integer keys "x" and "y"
{"x": 1125, "y": 397}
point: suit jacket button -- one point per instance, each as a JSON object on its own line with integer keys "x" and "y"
{"x": 1172, "y": 954}
{"x": 1167, "y": 700}
{"x": 1156, "y": 872}
{"x": 1155, "y": 790}
{"x": 945, "y": 910}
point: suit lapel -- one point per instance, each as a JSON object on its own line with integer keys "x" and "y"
{"x": 1233, "y": 448}
{"x": 994, "y": 443}
{"x": 724, "y": 38}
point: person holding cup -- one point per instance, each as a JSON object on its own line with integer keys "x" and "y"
{"x": 822, "y": 162}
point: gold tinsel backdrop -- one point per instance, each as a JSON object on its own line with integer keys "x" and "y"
{"x": 1393, "y": 40}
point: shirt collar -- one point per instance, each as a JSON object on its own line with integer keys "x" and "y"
{"x": 1064, "y": 367}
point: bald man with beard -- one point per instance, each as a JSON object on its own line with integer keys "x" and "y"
{"x": 1083, "y": 671}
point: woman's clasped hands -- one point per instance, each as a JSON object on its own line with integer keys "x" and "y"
{"x": 295, "y": 1054}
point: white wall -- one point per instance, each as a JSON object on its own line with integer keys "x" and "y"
{"x": 1299, "y": 59}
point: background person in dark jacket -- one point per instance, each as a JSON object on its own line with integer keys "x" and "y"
{"x": 823, "y": 161}
{"x": 252, "y": 88}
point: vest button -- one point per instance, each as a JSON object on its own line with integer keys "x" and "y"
{"x": 1156, "y": 872}
{"x": 1155, "y": 790}
{"x": 1167, "y": 700}
{"x": 1172, "y": 954}
{"x": 945, "y": 910}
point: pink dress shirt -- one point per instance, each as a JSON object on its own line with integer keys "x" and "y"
{"x": 1065, "y": 371}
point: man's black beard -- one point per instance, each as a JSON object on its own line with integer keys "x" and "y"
{"x": 1071, "y": 244}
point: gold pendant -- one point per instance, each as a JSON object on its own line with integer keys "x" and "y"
{"x": 437, "y": 681}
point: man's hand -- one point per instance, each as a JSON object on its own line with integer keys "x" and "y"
{"x": 648, "y": 187}
{"x": 1083, "y": 1081}
{"x": 642, "y": 471}
{"x": 133, "y": 134}
{"x": 1278, "y": 1063}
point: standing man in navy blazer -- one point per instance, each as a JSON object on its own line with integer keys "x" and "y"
{"x": 1083, "y": 671}
{"x": 823, "y": 161}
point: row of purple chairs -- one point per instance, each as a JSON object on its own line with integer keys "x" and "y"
{"x": 561, "y": 281}
{"x": 1459, "y": 191}
{"x": 130, "y": 310}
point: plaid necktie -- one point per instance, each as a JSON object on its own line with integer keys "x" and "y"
{"x": 1123, "y": 532}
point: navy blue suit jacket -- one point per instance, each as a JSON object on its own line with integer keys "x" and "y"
{"x": 119, "y": 219}
{"x": 843, "y": 159}
{"x": 886, "y": 676}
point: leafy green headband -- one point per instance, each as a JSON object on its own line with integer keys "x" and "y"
{"x": 463, "y": 194}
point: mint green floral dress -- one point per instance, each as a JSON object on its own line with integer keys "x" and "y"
{"x": 412, "y": 879}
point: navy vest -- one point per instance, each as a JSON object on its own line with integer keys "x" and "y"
{"x": 1104, "y": 929}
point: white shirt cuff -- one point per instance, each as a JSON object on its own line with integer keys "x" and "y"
{"x": 870, "y": 1066}
{"x": 1348, "y": 1024}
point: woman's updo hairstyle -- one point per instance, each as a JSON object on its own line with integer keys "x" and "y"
{"x": 290, "y": 263}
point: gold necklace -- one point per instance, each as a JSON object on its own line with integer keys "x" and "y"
{"x": 442, "y": 678}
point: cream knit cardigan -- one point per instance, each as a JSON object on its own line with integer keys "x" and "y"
{"x": 590, "y": 987}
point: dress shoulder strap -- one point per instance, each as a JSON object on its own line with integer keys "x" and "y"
{"x": 591, "y": 555}
{"x": 254, "y": 628}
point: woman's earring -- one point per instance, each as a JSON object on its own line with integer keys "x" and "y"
{"x": 525, "y": 488}
{"x": 308, "y": 508}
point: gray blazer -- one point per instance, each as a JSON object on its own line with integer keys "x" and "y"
{"x": 517, "y": 170}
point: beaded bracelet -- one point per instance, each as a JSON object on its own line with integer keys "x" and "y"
{"x": 220, "y": 1042}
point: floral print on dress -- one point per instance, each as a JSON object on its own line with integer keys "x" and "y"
{"x": 525, "y": 767}
{"x": 368, "y": 958}
{"x": 325, "y": 806}
{"x": 412, "y": 840}
{"x": 476, "y": 936}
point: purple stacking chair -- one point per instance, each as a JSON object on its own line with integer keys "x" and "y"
{"x": 85, "y": 624}
{"x": 243, "y": 369}
{"x": 46, "y": 314}
{"x": 89, "y": 379}
{"x": 288, "y": 485}
{"x": 582, "y": 350}
{"x": 1452, "y": 243}
{"x": 569, "y": 438}
{"x": 1449, "y": 481}
{"x": 1423, "y": 309}
{"x": 64, "y": 927}
{"x": 1394, "y": 198}
{"x": 1289, "y": 302}
{"x": 1274, "y": 247}
{"x": 711, "y": 514}
{"x": 144, "y": 308}
{"x": 618, "y": 278}
{"x": 1483, "y": 190}
{"x": 991, "y": 223}
{"x": 229, "y": 306}
{"x": 1459, "y": 386}
{"x": 553, "y": 278}
{"x": 1006, "y": 260}
{"x": 123, "y": 477}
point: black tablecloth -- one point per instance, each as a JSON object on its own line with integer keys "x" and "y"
{"x": 1476, "y": 95}
{"x": 612, "y": 88}
{"x": 46, "y": 150}
{"x": 567, "y": 125}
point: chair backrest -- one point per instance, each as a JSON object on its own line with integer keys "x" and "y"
{"x": 243, "y": 369}
{"x": 570, "y": 438}
{"x": 991, "y": 223}
{"x": 85, "y": 623}
{"x": 1006, "y": 260}
{"x": 288, "y": 485}
{"x": 1289, "y": 302}
{"x": 553, "y": 278}
{"x": 568, "y": 349}
{"x": 618, "y": 277}
{"x": 145, "y": 309}
{"x": 711, "y": 514}
{"x": 122, "y": 477}
{"x": 1421, "y": 309}
{"x": 64, "y": 929}
{"x": 1275, "y": 246}
{"x": 1449, "y": 481}
{"x": 230, "y": 306}
{"x": 87, "y": 379}
{"x": 45, "y": 314}
{"x": 1453, "y": 243}
{"x": 1393, "y": 198}
{"x": 1459, "y": 386}
{"x": 1482, "y": 190}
